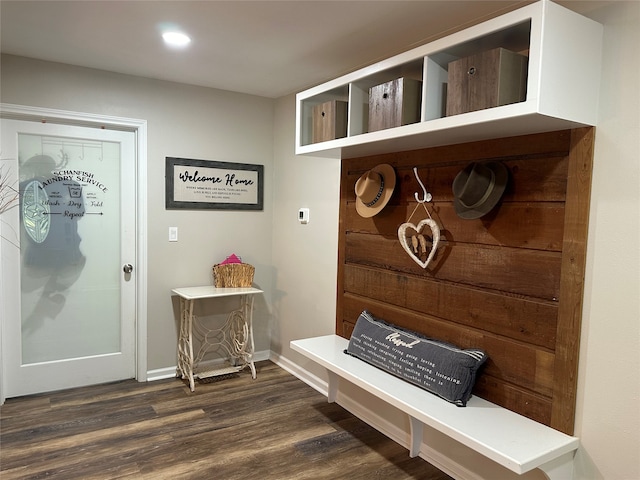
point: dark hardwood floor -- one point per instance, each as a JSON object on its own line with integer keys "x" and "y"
{"x": 271, "y": 428}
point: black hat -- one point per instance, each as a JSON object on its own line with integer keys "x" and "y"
{"x": 478, "y": 188}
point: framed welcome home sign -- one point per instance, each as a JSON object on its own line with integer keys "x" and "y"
{"x": 205, "y": 184}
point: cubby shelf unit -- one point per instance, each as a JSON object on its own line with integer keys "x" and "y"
{"x": 564, "y": 52}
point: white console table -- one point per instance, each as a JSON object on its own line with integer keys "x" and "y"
{"x": 234, "y": 340}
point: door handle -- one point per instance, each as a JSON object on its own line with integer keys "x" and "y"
{"x": 128, "y": 268}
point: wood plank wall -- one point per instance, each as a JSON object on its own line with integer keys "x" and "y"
{"x": 510, "y": 282}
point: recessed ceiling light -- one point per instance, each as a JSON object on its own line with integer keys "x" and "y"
{"x": 176, "y": 39}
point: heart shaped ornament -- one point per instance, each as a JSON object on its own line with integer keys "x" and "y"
{"x": 435, "y": 234}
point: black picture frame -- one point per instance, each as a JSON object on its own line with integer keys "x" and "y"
{"x": 213, "y": 185}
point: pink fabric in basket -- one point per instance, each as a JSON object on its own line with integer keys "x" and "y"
{"x": 233, "y": 258}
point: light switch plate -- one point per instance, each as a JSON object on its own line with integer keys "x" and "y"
{"x": 303, "y": 215}
{"x": 173, "y": 234}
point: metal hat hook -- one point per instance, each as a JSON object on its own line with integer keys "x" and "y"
{"x": 426, "y": 196}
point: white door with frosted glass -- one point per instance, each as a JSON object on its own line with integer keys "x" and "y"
{"x": 68, "y": 257}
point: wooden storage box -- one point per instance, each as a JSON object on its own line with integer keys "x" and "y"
{"x": 394, "y": 103}
{"x": 329, "y": 121}
{"x": 489, "y": 79}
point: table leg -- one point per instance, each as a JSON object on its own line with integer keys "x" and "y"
{"x": 249, "y": 319}
{"x": 185, "y": 342}
{"x": 241, "y": 326}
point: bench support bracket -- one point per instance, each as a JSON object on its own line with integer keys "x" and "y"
{"x": 559, "y": 469}
{"x": 333, "y": 386}
{"x": 416, "y": 436}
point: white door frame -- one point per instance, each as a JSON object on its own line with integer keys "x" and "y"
{"x": 139, "y": 127}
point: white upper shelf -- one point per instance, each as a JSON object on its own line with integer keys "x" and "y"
{"x": 564, "y": 52}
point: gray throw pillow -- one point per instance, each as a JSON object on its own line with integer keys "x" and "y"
{"x": 435, "y": 366}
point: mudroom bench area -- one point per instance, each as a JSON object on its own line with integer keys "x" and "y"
{"x": 504, "y": 278}
{"x": 465, "y": 188}
{"x": 505, "y": 437}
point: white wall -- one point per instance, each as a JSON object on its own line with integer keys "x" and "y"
{"x": 183, "y": 121}
{"x": 304, "y": 255}
{"x": 296, "y": 264}
{"x": 608, "y": 408}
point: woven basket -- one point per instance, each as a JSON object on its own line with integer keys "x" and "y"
{"x": 233, "y": 275}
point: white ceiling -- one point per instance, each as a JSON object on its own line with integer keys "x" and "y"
{"x": 265, "y": 47}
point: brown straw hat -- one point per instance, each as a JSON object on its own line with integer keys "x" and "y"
{"x": 374, "y": 189}
{"x": 478, "y": 188}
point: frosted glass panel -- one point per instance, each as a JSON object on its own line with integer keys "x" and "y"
{"x": 70, "y": 247}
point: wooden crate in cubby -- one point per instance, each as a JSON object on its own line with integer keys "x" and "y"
{"x": 394, "y": 103}
{"x": 329, "y": 121}
{"x": 485, "y": 80}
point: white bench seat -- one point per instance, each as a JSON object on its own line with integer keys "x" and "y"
{"x": 512, "y": 440}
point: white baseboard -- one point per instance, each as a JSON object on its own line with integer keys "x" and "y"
{"x": 161, "y": 373}
{"x": 170, "y": 372}
{"x": 296, "y": 370}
